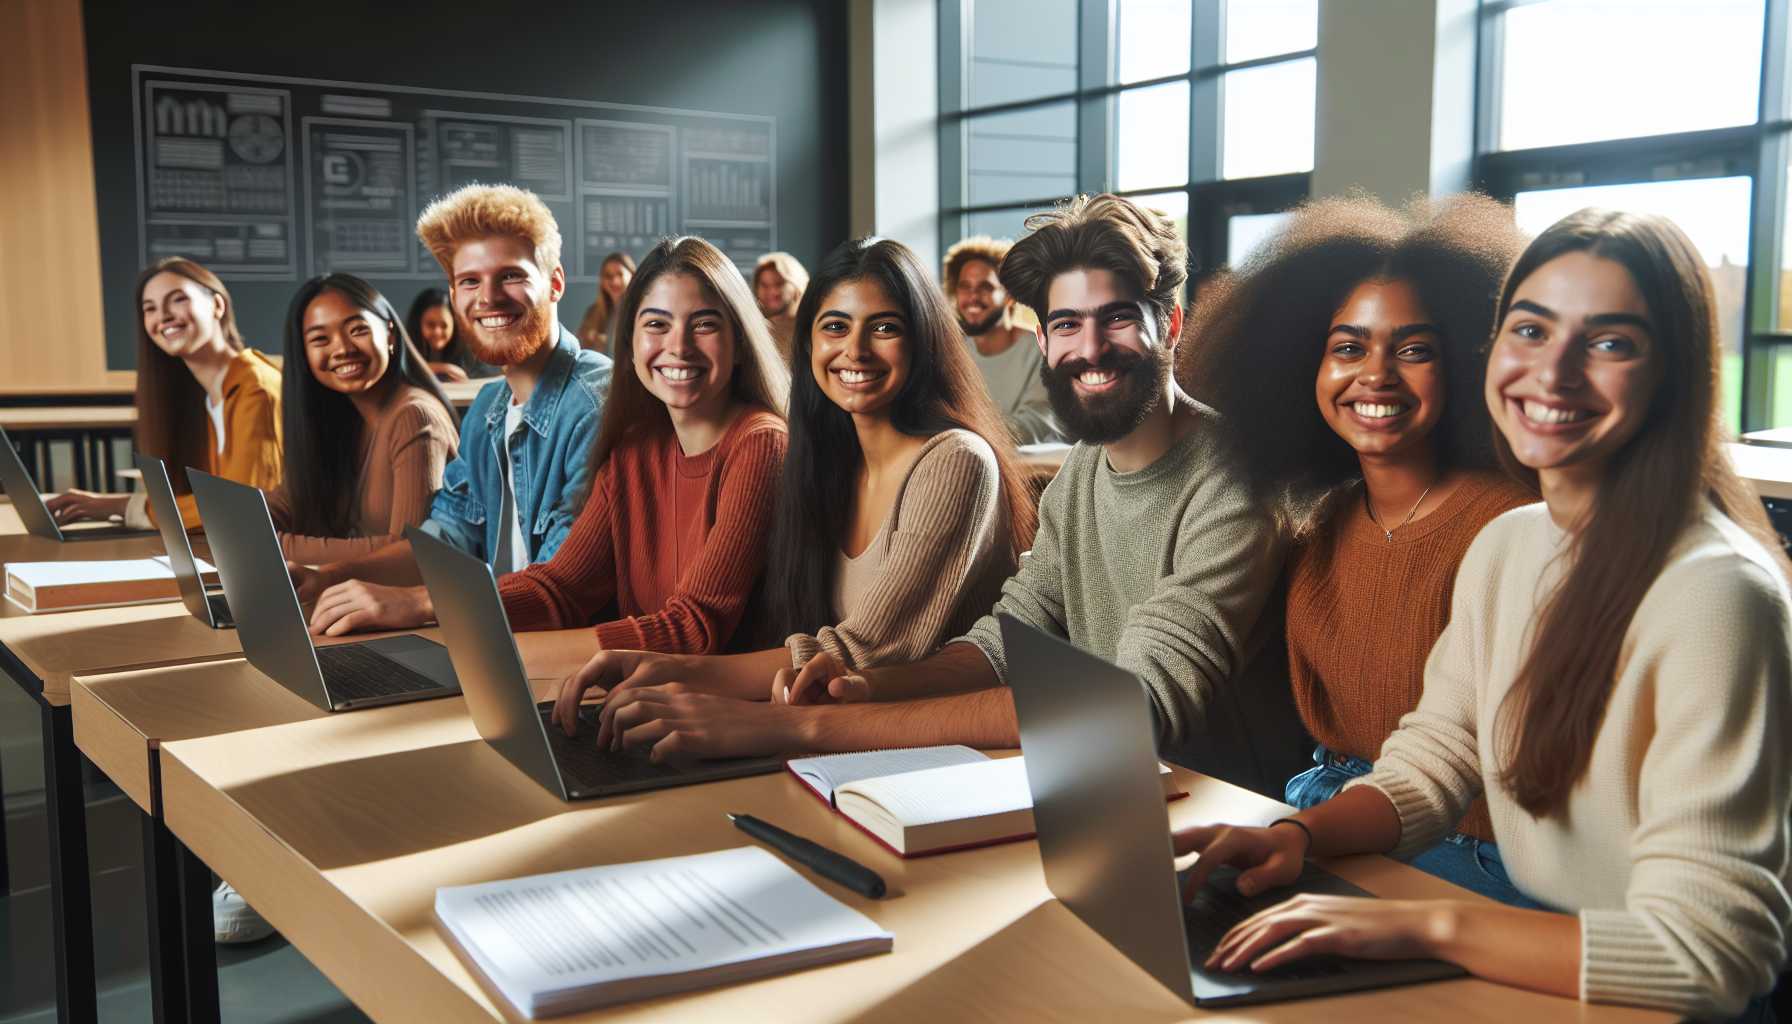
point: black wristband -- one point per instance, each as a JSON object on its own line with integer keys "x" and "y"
{"x": 1297, "y": 824}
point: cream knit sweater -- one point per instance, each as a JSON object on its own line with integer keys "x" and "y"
{"x": 1674, "y": 845}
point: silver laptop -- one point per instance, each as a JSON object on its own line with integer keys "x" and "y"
{"x": 271, "y": 624}
{"x": 1085, "y": 728}
{"x": 206, "y": 603}
{"x": 503, "y": 705}
{"x": 36, "y": 515}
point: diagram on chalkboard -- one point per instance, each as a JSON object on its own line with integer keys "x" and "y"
{"x": 274, "y": 177}
{"x": 217, "y": 176}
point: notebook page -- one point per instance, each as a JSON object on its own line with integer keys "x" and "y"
{"x": 826, "y": 774}
{"x": 200, "y": 565}
{"x": 565, "y": 938}
{"x": 62, "y": 574}
{"x": 952, "y": 793}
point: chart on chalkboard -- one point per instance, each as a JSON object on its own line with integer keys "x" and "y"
{"x": 273, "y": 177}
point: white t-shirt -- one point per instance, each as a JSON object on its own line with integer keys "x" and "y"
{"x": 216, "y": 411}
{"x": 512, "y": 526}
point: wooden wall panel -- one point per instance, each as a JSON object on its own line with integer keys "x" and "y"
{"x": 52, "y": 337}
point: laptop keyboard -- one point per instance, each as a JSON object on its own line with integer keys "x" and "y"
{"x": 356, "y": 673}
{"x": 587, "y": 766}
{"x": 1218, "y": 906}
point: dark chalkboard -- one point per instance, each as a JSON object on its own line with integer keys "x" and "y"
{"x": 269, "y": 168}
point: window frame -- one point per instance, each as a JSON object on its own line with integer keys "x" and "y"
{"x": 1759, "y": 151}
{"x": 1212, "y": 199}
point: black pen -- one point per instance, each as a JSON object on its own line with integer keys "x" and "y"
{"x": 835, "y": 867}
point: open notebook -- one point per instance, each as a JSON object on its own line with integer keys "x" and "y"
{"x": 574, "y": 940}
{"x": 61, "y": 586}
{"x": 929, "y": 800}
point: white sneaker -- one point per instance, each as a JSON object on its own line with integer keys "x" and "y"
{"x": 234, "y": 920}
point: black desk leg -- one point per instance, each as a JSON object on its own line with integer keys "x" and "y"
{"x": 199, "y": 955}
{"x": 161, "y": 879}
{"x": 71, "y": 891}
{"x": 5, "y": 864}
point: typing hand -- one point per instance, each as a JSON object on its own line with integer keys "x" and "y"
{"x": 610, "y": 673}
{"x": 677, "y": 722}
{"x": 822, "y": 680}
{"x": 72, "y": 506}
{"x": 358, "y": 606}
{"x": 310, "y": 583}
{"x": 1311, "y": 925}
{"x": 1270, "y": 856}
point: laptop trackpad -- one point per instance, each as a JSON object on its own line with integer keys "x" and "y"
{"x": 425, "y": 657}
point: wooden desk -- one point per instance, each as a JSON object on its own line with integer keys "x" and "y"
{"x": 340, "y": 829}
{"x": 1768, "y": 469}
{"x": 89, "y": 430}
{"x": 17, "y": 419}
{"x": 122, "y": 720}
{"x": 462, "y": 392}
{"x": 10, "y": 525}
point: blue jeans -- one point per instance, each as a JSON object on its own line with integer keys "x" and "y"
{"x": 1471, "y": 863}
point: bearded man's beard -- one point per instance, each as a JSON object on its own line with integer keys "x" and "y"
{"x": 508, "y": 346}
{"x": 983, "y": 326}
{"x": 1110, "y": 416}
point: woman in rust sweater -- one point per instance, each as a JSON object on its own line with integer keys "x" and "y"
{"x": 667, "y": 551}
{"x": 1372, "y": 321}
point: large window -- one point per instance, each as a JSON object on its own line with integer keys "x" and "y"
{"x": 1679, "y": 109}
{"x": 1201, "y": 108}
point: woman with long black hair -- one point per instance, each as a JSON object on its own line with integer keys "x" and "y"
{"x": 368, "y": 430}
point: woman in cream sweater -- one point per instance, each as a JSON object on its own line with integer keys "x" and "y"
{"x": 1616, "y": 675}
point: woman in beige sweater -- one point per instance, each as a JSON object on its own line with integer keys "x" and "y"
{"x": 1616, "y": 675}
{"x": 368, "y": 430}
{"x": 901, "y": 512}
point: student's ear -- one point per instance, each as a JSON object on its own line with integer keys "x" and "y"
{"x": 1039, "y": 336}
{"x": 220, "y": 305}
{"x": 1175, "y": 325}
{"x": 557, "y": 284}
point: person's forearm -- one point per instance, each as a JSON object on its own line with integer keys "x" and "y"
{"x": 956, "y": 668}
{"x": 1534, "y": 949}
{"x": 742, "y": 676}
{"x": 1359, "y": 820}
{"x": 392, "y": 565}
{"x": 984, "y": 719}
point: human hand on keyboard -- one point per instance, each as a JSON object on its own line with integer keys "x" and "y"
{"x": 1268, "y": 857}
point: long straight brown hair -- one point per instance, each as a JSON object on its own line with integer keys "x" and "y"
{"x": 761, "y": 376}
{"x": 170, "y": 402}
{"x": 1652, "y": 489}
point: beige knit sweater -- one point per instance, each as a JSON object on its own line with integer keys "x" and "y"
{"x": 1674, "y": 845}
{"x": 936, "y": 565}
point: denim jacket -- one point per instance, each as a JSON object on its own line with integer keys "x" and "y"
{"x": 547, "y": 456}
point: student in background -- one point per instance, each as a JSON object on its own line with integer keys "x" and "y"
{"x": 204, "y": 399}
{"x": 1149, "y": 550}
{"x": 1616, "y": 674}
{"x": 368, "y": 429}
{"x": 778, "y": 285}
{"x": 507, "y": 495}
{"x": 668, "y": 546}
{"x": 901, "y": 511}
{"x": 1372, "y": 322}
{"x": 612, "y": 280}
{"x": 1003, "y": 351}
{"x": 430, "y": 324}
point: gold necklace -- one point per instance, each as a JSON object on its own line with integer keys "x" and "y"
{"x": 1373, "y": 518}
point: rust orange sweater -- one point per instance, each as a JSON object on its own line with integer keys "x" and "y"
{"x": 1364, "y": 613}
{"x": 667, "y": 551}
